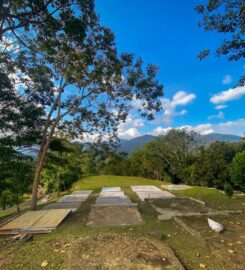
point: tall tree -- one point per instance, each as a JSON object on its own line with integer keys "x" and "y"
{"x": 74, "y": 73}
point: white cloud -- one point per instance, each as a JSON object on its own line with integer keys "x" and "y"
{"x": 129, "y": 133}
{"x": 236, "y": 127}
{"x": 182, "y": 98}
{"x": 230, "y": 94}
{"x": 182, "y": 112}
{"x": 221, "y": 107}
{"x": 203, "y": 129}
{"x": 227, "y": 79}
{"x": 169, "y": 106}
{"x": 219, "y": 115}
{"x": 160, "y": 131}
{"x": 129, "y": 128}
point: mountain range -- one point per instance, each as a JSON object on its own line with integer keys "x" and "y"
{"x": 128, "y": 146}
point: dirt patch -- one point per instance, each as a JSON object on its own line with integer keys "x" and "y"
{"x": 110, "y": 252}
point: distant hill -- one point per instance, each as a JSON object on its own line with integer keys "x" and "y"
{"x": 219, "y": 137}
{"x": 129, "y": 146}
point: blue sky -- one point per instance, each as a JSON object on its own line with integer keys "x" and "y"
{"x": 197, "y": 93}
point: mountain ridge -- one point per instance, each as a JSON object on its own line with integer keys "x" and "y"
{"x": 128, "y": 146}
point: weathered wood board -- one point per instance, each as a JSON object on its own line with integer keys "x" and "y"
{"x": 43, "y": 220}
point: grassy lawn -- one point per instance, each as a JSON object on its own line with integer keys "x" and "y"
{"x": 94, "y": 182}
{"x": 210, "y": 249}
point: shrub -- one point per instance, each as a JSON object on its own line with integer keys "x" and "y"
{"x": 237, "y": 171}
{"x": 228, "y": 190}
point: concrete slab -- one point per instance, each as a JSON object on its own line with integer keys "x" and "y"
{"x": 113, "y": 216}
{"x": 145, "y": 188}
{"x": 110, "y": 189}
{"x": 82, "y": 192}
{"x": 115, "y": 200}
{"x": 112, "y": 194}
{"x": 175, "y": 187}
{"x": 155, "y": 195}
{"x": 74, "y": 198}
{"x": 63, "y": 205}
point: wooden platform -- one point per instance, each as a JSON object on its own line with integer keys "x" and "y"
{"x": 42, "y": 221}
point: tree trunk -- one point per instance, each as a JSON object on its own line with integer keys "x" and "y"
{"x": 42, "y": 156}
{"x": 58, "y": 193}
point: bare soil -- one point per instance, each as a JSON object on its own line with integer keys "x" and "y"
{"x": 120, "y": 252}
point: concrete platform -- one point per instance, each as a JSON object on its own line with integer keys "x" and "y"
{"x": 145, "y": 188}
{"x": 110, "y": 189}
{"x": 112, "y": 194}
{"x": 113, "y": 200}
{"x": 155, "y": 195}
{"x": 113, "y": 216}
{"x": 82, "y": 192}
{"x": 151, "y": 192}
{"x": 63, "y": 205}
{"x": 74, "y": 198}
{"x": 175, "y": 187}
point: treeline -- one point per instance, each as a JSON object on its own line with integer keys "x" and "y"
{"x": 179, "y": 158}
{"x": 176, "y": 157}
{"x": 66, "y": 163}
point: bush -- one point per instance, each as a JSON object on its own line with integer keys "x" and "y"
{"x": 228, "y": 190}
{"x": 237, "y": 171}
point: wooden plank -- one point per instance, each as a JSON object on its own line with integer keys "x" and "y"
{"x": 43, "y": 219}
{"x": 24, "y": 221}
{"x": 52, "y": 218}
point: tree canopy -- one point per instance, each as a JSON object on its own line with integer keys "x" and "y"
{"x": 226, "y": 17}
{"x": 70, "y": 71}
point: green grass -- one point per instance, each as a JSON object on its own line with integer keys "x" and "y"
{"x": 30, "y": 255}
{"x": 214, "y": 198}
{"x": 94, "y": 182}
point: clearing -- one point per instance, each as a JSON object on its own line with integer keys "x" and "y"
{"x": 151, "y": 244}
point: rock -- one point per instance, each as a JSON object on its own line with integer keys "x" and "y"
{"x": 202, "y": 265}
{"x": 217, "y": 227}
{"x": 231, "y": 251}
